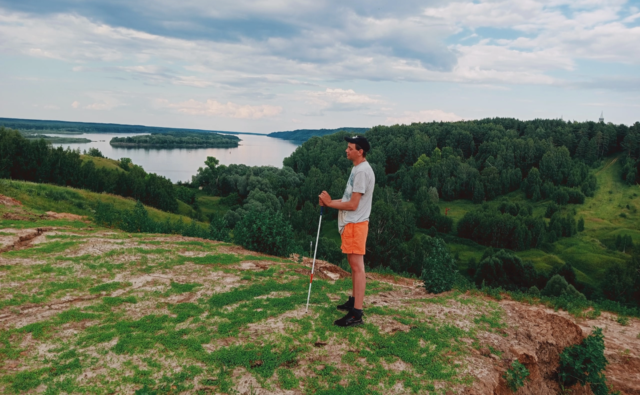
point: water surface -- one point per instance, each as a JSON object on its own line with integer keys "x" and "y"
{"x": 179, "y": 164}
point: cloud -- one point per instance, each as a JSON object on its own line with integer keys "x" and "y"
{"x": 409, "y": 117}
{"x": 316, "y": 41}
{"x": 337, "y": 99}
{"x": 100, "y": 106}
{"x": 227, "y": 110}
{"x": 75, "y": 104}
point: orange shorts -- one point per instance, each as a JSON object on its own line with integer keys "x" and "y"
{"x": 354, "y": 238}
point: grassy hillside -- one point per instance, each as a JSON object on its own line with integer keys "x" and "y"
{"x": 90, "y": 310}
{"x": 587, "y": 251}
{"x": 44, "y": 197}
{"x": 107, "y": 163}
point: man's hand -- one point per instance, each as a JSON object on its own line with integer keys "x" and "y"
{"x": 324, "y": 199}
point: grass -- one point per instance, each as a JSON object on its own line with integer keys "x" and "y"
{"x": 106, "y": 163}
{"x": 37, "y": 197}
{"x": 210, "y": 204}
{"x": 185, "y": 328}
{"x": 153, "y": 320}
{"x": 588, "y": 251}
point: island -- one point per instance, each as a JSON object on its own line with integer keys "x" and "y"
{"x": 177, "y": 140}
{"x": 56, "y": 139}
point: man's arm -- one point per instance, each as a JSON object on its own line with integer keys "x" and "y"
{"x": 351, "y": 205}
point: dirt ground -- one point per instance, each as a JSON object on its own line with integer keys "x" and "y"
{"x": 147, "y": 268}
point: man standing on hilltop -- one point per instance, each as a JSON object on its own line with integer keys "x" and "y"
{"x": 353, "y": 223}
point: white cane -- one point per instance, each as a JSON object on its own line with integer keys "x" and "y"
{"x": 313, "y": 266}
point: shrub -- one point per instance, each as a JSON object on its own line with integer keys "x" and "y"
{"x": 218, "y": 229}
{"x": 265, "y": 232}
{"x": 439, "y": 268}
{"x": 534, "y": 291}
{"x": 329, "y": 250}
{"x": 556, "y": 286}
{"x": 622, "y": 320}
{"x": 552, "y": 208}
{"x": 581, "y": 224}
{"x": 585, "y": 363}
{"x": 506, "y": 270}
{"x": 95, "y": 153}
{"x": 125, "y": 163}
{"x": 516, "y": 375}
{"x": 573, "y": 293}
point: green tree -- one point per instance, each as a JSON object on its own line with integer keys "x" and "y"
{"x": 439, "y": 268}
{"x": 556, "y": 286}
{"x": 95, "y": 152}
{"x": 219, "y": 229}
{"x": 585, "y": 363}
{"x": 581, "y": 224}
{"x": 125, "y": 163}
{"x": 265, "y": 232}
{"x": 506, "y": 270}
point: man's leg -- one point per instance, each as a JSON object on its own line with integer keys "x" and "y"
{"x": 358, "y": 278}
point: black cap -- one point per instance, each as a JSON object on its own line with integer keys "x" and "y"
{"x": 360, "y": 141}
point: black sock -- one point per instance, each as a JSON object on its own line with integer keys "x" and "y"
{"x": 356, "y": 312}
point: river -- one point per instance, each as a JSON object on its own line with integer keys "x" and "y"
{"x": 179, "y": 164}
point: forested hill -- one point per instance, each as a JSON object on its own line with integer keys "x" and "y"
{"x": 517, "y": 189}
{"x": 177, "y": 140}
{"x": 306, "y": 134}
{"x": 34, "y": 125}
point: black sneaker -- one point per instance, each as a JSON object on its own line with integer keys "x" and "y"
{"x": 350, "y": 319}
{"x": 348, "y": 305}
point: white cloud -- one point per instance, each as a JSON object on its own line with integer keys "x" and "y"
{"x": 409, "y": 117}
{"x": 75, "y": 104}
{"x": 337, "y": 99}
{"x": 100, "y": 106}
{"x": 227, "y": 110}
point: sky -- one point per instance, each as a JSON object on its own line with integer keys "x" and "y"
{"x": 272, "y": 65}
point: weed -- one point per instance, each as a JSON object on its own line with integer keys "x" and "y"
{"x": 41, "y": 249}
{"x": 117, "y": 301}
{"x": 622, "y": 320}
{"x": 593, "y": 314}
{"x": 516, "y": 375}
{"x": 177, "y": 288}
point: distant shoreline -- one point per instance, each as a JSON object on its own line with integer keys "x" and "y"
{"x": 159, "y": 146}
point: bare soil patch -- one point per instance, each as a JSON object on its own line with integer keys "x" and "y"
{"x": 25, "y": 240}
{"x": 67, "y": 216}
{"x": 8, "y": 201}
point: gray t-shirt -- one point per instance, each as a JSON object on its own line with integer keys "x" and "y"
{"x": 361, "y": 180}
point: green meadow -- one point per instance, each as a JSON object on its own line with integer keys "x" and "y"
{"x": 611, "y": 212}
{"x": 93, "y": 310}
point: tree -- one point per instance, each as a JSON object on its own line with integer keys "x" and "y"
{"x": 391, "y": 224}
{"x": 532, "y": 185}
{"x": 95, "y": 153}
{"x": 218, "y": 229}
{"x": 581, "y": 224}
{"x": 618, "y": 282}
{"x": 265, "y": 232}
{"x": 125, "y": 163}
{"x": 439, "y": 268}
{"x": 506, "y": 270}
{"x": 556, "y": 286}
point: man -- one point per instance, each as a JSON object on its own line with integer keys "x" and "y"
{"x": 353, "y": 223}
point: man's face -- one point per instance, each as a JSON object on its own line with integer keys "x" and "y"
{"x": 352, "y": 152}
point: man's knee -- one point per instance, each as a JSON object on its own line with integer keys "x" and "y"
{"x": 356, "y": 262}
